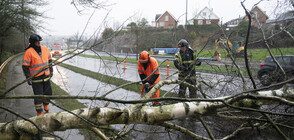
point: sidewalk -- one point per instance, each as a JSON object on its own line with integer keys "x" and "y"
{"x": 24, "y": 107}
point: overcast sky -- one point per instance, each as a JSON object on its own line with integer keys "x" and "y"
{"x": 64, "y": 19}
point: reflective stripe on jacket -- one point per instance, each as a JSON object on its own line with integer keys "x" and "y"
{"x": 152, "y": 65}
{"x": 187, "y": 62}
{"x": 37, "y": 62}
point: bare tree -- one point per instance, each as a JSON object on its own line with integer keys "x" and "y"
{"x": 231, "y": 104}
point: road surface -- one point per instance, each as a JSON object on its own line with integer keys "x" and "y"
{"x": 26, "y": 107}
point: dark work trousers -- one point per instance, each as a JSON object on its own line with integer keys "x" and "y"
{"x": 41, "y": 88}
{"x": 183, "y": 87}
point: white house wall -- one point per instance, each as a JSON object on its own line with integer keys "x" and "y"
{"x": 206, "y": 14}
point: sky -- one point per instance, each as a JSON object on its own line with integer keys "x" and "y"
{"x": 63, "y": 19}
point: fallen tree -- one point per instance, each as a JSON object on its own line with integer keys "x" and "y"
{"x": 143, "y": 114}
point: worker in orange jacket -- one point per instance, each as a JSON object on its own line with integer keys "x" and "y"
{"x": 146, "y": 66}
{"x": 35, "y": 64}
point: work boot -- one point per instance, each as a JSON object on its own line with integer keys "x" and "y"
{"x": 40, "y": 113}
{"x": 46, "y": 108}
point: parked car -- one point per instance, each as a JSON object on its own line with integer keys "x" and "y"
{"x": 269, "y": 72}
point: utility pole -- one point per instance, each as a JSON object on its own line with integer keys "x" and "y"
{"x": 186, "y": 14}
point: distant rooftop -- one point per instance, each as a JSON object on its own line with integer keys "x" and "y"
{"x": 157, "y": 16}
{"x": 284, "y": 16}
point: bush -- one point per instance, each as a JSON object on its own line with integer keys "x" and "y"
{"x": 5, "y": 55}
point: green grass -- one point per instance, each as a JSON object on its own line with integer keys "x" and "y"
{"x": 261, "y": 54}
{"x": 258, "y": 55}
{"x": 5, "y": 55}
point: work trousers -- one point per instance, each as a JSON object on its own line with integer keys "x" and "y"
{"x": 183, "y": 87}
{"x": 41, "y": 88}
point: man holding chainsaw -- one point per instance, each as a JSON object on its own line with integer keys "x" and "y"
{"x": 148, "y": 67}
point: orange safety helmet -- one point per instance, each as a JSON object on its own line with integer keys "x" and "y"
{"x": 144, "y": 57}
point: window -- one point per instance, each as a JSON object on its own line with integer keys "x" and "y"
{"x": 292, "y": 59}
{"x": 161, "y": 24}
{"x": 200, "y": 22}
{"x": 255, "y": 15}
{"x": 166, "y": 18}
{"x": 170, "y": 26}
{"x": 204, "y": 14}
{"x": 208, "y": 21}
{"x": 283, "y": 60}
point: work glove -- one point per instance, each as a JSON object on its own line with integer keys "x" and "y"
{"x": 30, "y": 82}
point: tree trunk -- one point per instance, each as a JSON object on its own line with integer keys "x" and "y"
{"x": 141, "y": 114}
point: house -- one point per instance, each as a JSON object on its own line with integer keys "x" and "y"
{"x": 233, "y": 23}
{"x": 254, "y": 12}
{"x": 166, "y": 21}
{"x": 257, "y": 13}
{"x": 206, "y": 16}
{"x": 283, "y": 19}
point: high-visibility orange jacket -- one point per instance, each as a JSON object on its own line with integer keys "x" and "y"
{"x": 152, "y": 66}
{"x": 36, "y": 62}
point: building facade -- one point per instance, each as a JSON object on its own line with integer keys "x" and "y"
{"x": 257, "y": 17}
{"x": 166, "y": 21}
{"x": 206, "y": 16}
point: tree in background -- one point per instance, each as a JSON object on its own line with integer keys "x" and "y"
{"x": 143, "y": 23}
{"x": 242, "y": 27}
{"x": 18, "y": 18}
{"x": 107, "y": 33}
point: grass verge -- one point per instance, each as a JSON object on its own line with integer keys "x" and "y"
{"x": 258, "y": 55}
